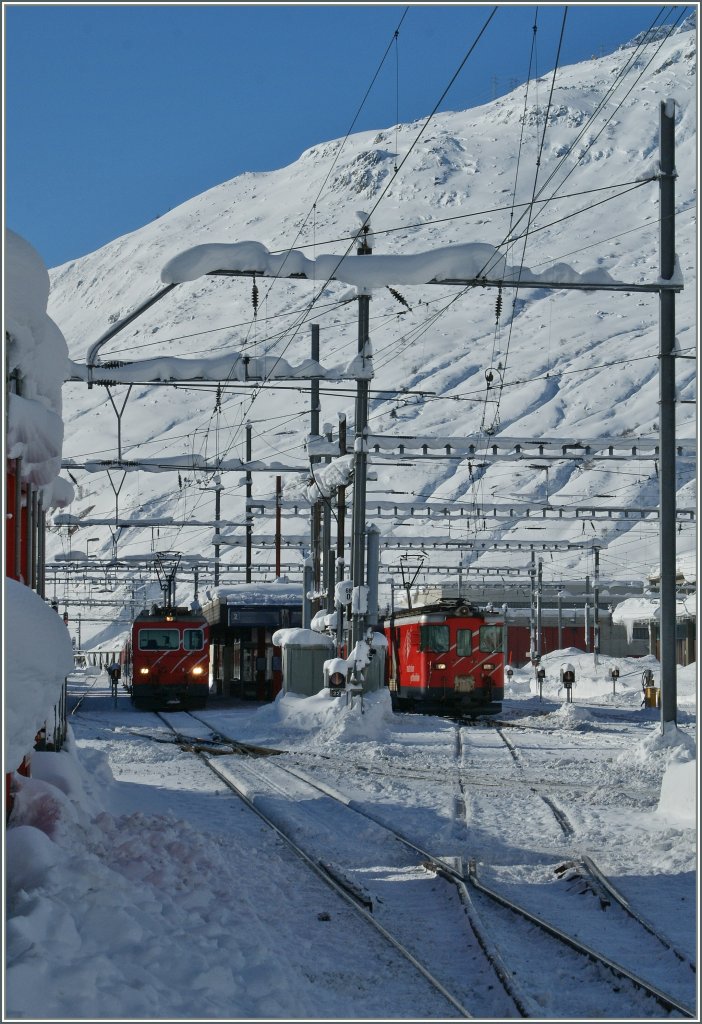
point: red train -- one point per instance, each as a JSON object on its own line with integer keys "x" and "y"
{"x": 446, "y": 655}
{"x": 166, "y": 661}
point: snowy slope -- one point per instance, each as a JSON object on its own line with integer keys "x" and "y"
{"x": 571, "y": 363}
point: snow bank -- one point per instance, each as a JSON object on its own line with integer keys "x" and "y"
{"x": 38, "y": 657}
{"x": 678, "y": 800}
{"x": 323, "y": 721}
{"x": 137, "y": 939}
{"x": 38, "y": 355}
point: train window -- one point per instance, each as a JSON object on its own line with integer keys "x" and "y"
{"x": 490, "y": 639}
{"x": 193, "y": 639}
{"x": 159, "y": 640}
{"x": 433, "y": 638}
{"x": 464, "y": 642}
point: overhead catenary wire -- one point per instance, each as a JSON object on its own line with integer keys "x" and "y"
{"x": 590, "y": 368}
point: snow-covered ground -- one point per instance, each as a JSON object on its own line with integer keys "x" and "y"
{"x": 565, "y": 363}
{"x": 139, "y": 887}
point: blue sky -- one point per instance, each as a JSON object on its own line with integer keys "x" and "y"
{"x": 116, "y": 113}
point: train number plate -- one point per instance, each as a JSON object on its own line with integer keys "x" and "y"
{"x": 464, "y": 684}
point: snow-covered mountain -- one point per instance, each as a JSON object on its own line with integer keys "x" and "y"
{"x": 563, "y": 364}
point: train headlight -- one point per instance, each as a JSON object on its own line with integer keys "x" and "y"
{"x": 143, "y": 671}
{"x": 440, "y": 665}
{"x": 198, "y": 670}
{"x": 488, "y": 666}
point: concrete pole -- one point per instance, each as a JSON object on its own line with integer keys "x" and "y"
{"x": 667, "y": 475}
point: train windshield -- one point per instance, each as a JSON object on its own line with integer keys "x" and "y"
{"x": 490, "y": 639}
{"x": 193, "y": 639}
{"x": 433, "y": 638}
{"x": 464, "y": 642}
{"x": 159, "y": 640}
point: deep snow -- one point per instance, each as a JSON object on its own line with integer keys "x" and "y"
{"x": 103, "y": 917}
{"x": 567, "y": 364}
{"x": 137, "y": 887}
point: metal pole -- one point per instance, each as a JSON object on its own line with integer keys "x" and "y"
{"x": 218, "y": 492}
{"x": 596, "y": 616}
{"x": 373, "y": 568}
{"x": 329, "y": 553}
{"x": 341, "y": 496}
{"x": 18, "y": 518}
{"x": 41, "y": 547}
{"x": 306, "y": 587}
{"x": 316, "y": 516}
{"x": 539, "y": 602}
{"x": 278, "y": 495}
{"x": 249, "y": 524}
{"x": 505, "y": 637}
{"x": 587, "y": 614}
{"x": 667, "y": 469}
{"x": 29, "y": 554}
{"x": 360, "y": 465}
{"x": 532, "y": 606}
{"x": 340, "y": 571}
{"x": 560, "y": 620}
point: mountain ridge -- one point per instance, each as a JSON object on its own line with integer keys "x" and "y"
{"x": 581, "y": 364}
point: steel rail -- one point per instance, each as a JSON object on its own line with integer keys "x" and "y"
{"x": 589, "y": 866}
{"x": 329, "y": 880}
{"x": 662, "y": 998}
{"x": 446, "y": 867}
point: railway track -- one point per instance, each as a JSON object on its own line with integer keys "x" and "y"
{"x": 371, "y": 900}
{"x": 651, "y": 943}
{"x": 626, "y": 988}
{"x": 82, "y": 696}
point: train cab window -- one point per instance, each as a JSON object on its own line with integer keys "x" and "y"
{"x": 193, "y": 639}
{"x": 464, "y": 642}
{"x": 159, "y": 640}
{"x": 490, "y": 639}
{"x": 433, "y": 638}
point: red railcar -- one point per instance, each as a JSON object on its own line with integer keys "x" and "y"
{"x": 166, "y": 661}
{"x": 446, "y": 656}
